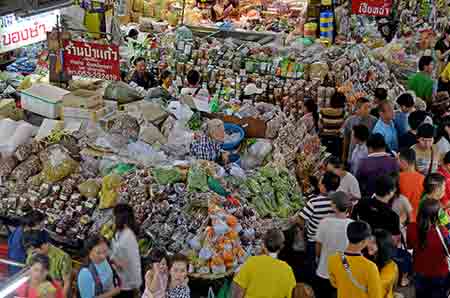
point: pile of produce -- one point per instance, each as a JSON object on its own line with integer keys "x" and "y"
{"x": 273, "y": 191}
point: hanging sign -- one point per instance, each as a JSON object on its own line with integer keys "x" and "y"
{"x": 92, "y": 60}
{"x": 18, "y": 32}
{"x": 378, "y": 8}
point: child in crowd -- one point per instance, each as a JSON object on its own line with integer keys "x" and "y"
{"x": 178, "y": 280}
{"x": 157, "y": 276}
{"x": 434, "y": 189}
{"x": 360, "y": 134}
{"x": 410, "y": 181}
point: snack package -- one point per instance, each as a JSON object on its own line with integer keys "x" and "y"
{"x": 89, "y": 189}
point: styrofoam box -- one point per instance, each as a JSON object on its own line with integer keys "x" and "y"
{"x": 43, "y": 99}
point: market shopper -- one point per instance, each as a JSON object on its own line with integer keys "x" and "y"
{"x": 443, "y": 145}
{"x": 442, "y": 49}
{"x": 310, "y": 216}
{"x": 208, "y": 145}
{"x": 415, "y": 119}
{"x": 125, "y": 251}
{"x": 410, "y": 180}
{"x": 141, "y": 76}
{"x": 331, "y": 238}
{"x": 427, "y": 239}
{"x": 310, "y": 116}
{"x": 378, "y": 163}
{"x": 60, "y": 263}
{"x": 332, "y": 118}
{"x": 361, "y": 117}
{"x": 386, "y": 127}
{"x": 352, "y": 274}
{"x": 377, "y": 211}
{"x": 434, "y": 189}
{"x": 360, "y": 134}
{"x": 178, "y": 278}
{"x": 427, "y": 153}
{"x": 422, "y": 82}
{"x": 380, "y": 97}
{"x": 265, "y": 275}
{"x": 444, "y": 170}
{"x": 406, "y": 103}
{"x": 16, "y": 250}
{"x": 157, "y": 276}
{"x": 97, "y": 278}
{"x": 380, "y": 250}
{"x": 348, "y": 183}
{"x": 40, "y": 285}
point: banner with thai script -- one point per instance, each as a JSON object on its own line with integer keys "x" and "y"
{"x": 91, "y": 60}
{"x": 19, "y": 32}
{"x": 378, "y": 8}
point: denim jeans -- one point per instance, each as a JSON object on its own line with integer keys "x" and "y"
{"x": 431, "y": 287}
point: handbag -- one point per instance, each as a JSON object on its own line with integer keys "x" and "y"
{"x": 447, "y": 254}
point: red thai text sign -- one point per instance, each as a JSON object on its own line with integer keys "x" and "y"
{"x": 378, "y": 8}
{"x": 92, "y": 60}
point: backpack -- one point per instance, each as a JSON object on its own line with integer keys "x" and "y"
{"x": 98, "y": 283}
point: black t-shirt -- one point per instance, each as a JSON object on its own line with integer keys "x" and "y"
{"x": 407, "y": 140}
{"x": 146, "y": 81}
{"x": 442, "y": 47}
{"x": 375, "y": 112}
{"x": 378, "y": 215}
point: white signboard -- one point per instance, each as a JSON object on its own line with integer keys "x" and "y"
{"x": 26, "y": 31}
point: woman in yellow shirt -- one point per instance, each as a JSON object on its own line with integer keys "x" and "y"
{"x": 380, "y": 250}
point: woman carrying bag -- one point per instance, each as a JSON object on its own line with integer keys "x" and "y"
{"x": 429, "y": 240}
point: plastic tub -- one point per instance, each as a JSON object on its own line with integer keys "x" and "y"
{"x": 233, "y": 128}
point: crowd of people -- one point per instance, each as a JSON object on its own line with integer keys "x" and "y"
{"x": 377, "y": 220}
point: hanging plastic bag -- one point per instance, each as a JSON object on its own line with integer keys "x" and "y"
{"x": 110, "y": 191}
{"x": 89, "y": 188}
{"x": 225, "y": 290}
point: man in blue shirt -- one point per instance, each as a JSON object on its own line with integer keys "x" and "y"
{"x": 406, "y": 104}
{"x": 385, "y": 126}
{"x": 16, "y": 249}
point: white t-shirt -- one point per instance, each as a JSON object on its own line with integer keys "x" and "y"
{"x": 350, "y": 186}
{"x": 443, "y": 146}
{"x": 332, "y": 234}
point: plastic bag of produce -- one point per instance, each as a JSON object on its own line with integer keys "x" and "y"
{"x": 89, "y": 188}
{"x": 146, "y": 154}
{"x": 28, "y": 168}
{"x": 197, "y": 179}
{"x": 181, "y": 111}
{"x": 121, "y": 92}
{"x": 110, "y": 191}
{"x": 166, "y": 176}
{"x": 57, "y": 163}
{"x": 7, "y": 165}
{"x": 205, "y": 253}
{"x": 23, "y": 152}
{"x": 21, "y": 135}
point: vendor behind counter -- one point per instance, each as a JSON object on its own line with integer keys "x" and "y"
{"x": 141, "y": 76}
{"x": 208, "y": 146}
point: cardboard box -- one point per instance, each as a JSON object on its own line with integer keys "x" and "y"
{"x": 8, "y": 109}
{"x": 83, "y": 99}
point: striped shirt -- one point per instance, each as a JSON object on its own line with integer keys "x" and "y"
{"x": 331, "y": 120}
{"x": 315, "y": 210}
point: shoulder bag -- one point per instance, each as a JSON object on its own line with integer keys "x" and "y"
{"x": 350, "y": 275}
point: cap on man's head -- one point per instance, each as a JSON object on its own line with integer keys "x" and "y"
{"x": 341, "y": 200}
{"x": 425, "y": 131}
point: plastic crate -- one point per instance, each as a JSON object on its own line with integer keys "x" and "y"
{"x": 44, "y": 100}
